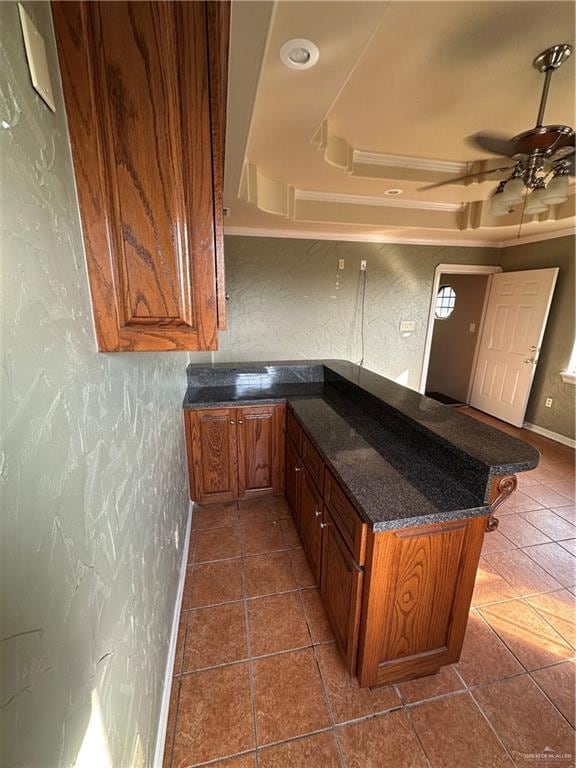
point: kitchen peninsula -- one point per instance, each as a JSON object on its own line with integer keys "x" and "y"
{"x": 391, "y": 493}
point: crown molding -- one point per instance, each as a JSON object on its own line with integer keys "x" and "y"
{"x": 386, "y": 202}
{"x": 414, "y": 163}
{"x": 297, "y": 234}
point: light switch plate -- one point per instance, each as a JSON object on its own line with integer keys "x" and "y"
{"x": 37, "y": 59}
{"x": 407, "y": 325}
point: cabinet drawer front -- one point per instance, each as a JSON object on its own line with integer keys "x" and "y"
{"x": 294, "y": 430}
{"x": 341, "y": 590}
{"x": 351, "y": 527}
{"x": 313, "y": 462}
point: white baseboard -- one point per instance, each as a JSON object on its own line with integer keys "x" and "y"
{"x": 551, "y": 435}
{"x": 165, "y": 706}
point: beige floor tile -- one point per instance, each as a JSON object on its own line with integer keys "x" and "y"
{"x": 524, "y": 719}
{"x": 277, "y": 623}
{"x": 559, "y": 610}
{"x": 387, "y": 741}
{"x": 214, "y": 715}
{"x": 551, "y": 524}
{"x": 530, "y": 638}
{"x": 490, "y": 586}
{"x": 215, "y": 544}
{"x": 520, "y": 532}
{"x": 213, "y": 583}
{"x": 445, "y": 681}
{"x": 302, "y": 572}
{"x": 260, "y": 538}
{"x": 289, "y": 696}
{"x": 347, "y": 700}
{"x": 318, "y": 751}
{"x": 216, "y": 635}
{"x": 558, "y": 683}
{"x": 484, "y": 657}
{"x": 454, "y": 734}
{"x": 521, "y": 572}
{"x": 318, "y": 623}
{"x": 215, "y": 516}
{"x": 556, "y": 561}
{"x": 268, "y": 574}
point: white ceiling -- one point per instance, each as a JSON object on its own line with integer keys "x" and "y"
{"x": 314, "y": 151}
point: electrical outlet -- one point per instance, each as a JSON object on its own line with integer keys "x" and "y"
{"x": 340, "y": 263}
{"x": 548, "y": 402}
{"x": 407, "y": 325}
{"x": 472, "y": 327}
{"x": 363, "y": 265}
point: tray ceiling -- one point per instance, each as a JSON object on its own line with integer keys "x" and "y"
{"x": 397, "y": 89}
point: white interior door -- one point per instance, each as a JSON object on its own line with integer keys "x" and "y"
{"x": 514, "y": 324}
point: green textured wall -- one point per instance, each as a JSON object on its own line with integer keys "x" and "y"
{"x": 289, "y": 300}
{"x": 92, "y": 469}
{"x": 559, "y": 336}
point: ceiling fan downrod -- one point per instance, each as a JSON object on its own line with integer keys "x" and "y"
{"x": 548, "y": 62}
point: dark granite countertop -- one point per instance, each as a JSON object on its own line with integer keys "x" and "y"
{"x": 402, "y": 458}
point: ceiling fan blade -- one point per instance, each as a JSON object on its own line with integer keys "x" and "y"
{"x": 491, "y": 142}
{"x": 462, "y": 178}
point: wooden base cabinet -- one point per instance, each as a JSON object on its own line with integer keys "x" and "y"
{"x": 397, "y": 600}
{"x": 235, "y": 453}
{"x": 417, "y": 591}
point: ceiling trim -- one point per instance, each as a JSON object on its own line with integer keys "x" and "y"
{"x": 405, "y": 161}
{"x": 392, "y": 202}
{"x": 298, "y": 234}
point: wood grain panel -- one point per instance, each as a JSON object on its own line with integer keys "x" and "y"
{"x": 293, "y": 473}
{"x": 310, "y": 513}
{"x": 417, "y": 593}
{"x": 313, "y": 462}
{"x": 212, "y": 446}
{"x": 341, "y": 589}
{"x": 294, "y": 430}
{"x": 256, "y": 454}
{"x": 218, "y": 33}
{"x": 135, "y": 79}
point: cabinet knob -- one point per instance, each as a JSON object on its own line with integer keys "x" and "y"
{"x": 323, "y": 525}
{"x": 232, "y": 421}
{"x": 297, "y": 469}
{"x": 240, "y": 421}
{"x": 317, "y": 513}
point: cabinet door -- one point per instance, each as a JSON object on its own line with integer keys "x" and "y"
{"x": 293, "y": 473}
{"x": 260, "y": 450}
{"x": 136, "y": 85}
{"x": 341, "y": 590}
{"x": 212, "y": 454}
{"x": 310, "y": 514}
{"x": 417, "y": 598}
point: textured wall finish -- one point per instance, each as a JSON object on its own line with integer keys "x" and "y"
{"x": 288, "y": 300}
{"x": 92, "y": 469}
{"x": 559, "y": 336}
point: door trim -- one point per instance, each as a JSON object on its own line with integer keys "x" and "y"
{"x": 452, "y": 269}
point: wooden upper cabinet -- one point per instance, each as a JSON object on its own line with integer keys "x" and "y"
{"x": 145, "y": 88}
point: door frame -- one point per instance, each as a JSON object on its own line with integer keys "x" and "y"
{"x": 454, "y": 269}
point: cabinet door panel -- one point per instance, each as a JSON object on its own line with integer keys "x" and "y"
{"x": 293, "y": 472}
{"x": 136, "y": 84}
{"x": 310, "y": 515}
{"x": 256, "y": 450}
{"x": 212, "y": 454}
{"x": 341, "y": 589}
{"x": 420, "y": 583}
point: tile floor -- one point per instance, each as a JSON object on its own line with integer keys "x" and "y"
{"x": 258, "y": 680}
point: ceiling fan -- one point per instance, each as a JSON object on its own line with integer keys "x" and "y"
{"x": 538, "y": 153}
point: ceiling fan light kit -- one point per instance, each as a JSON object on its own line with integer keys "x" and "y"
{"x": 544, "y": 154}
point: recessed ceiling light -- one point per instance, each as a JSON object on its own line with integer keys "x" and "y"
{"x": 393, "y": 192}
{"x": 299, "y": 53}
